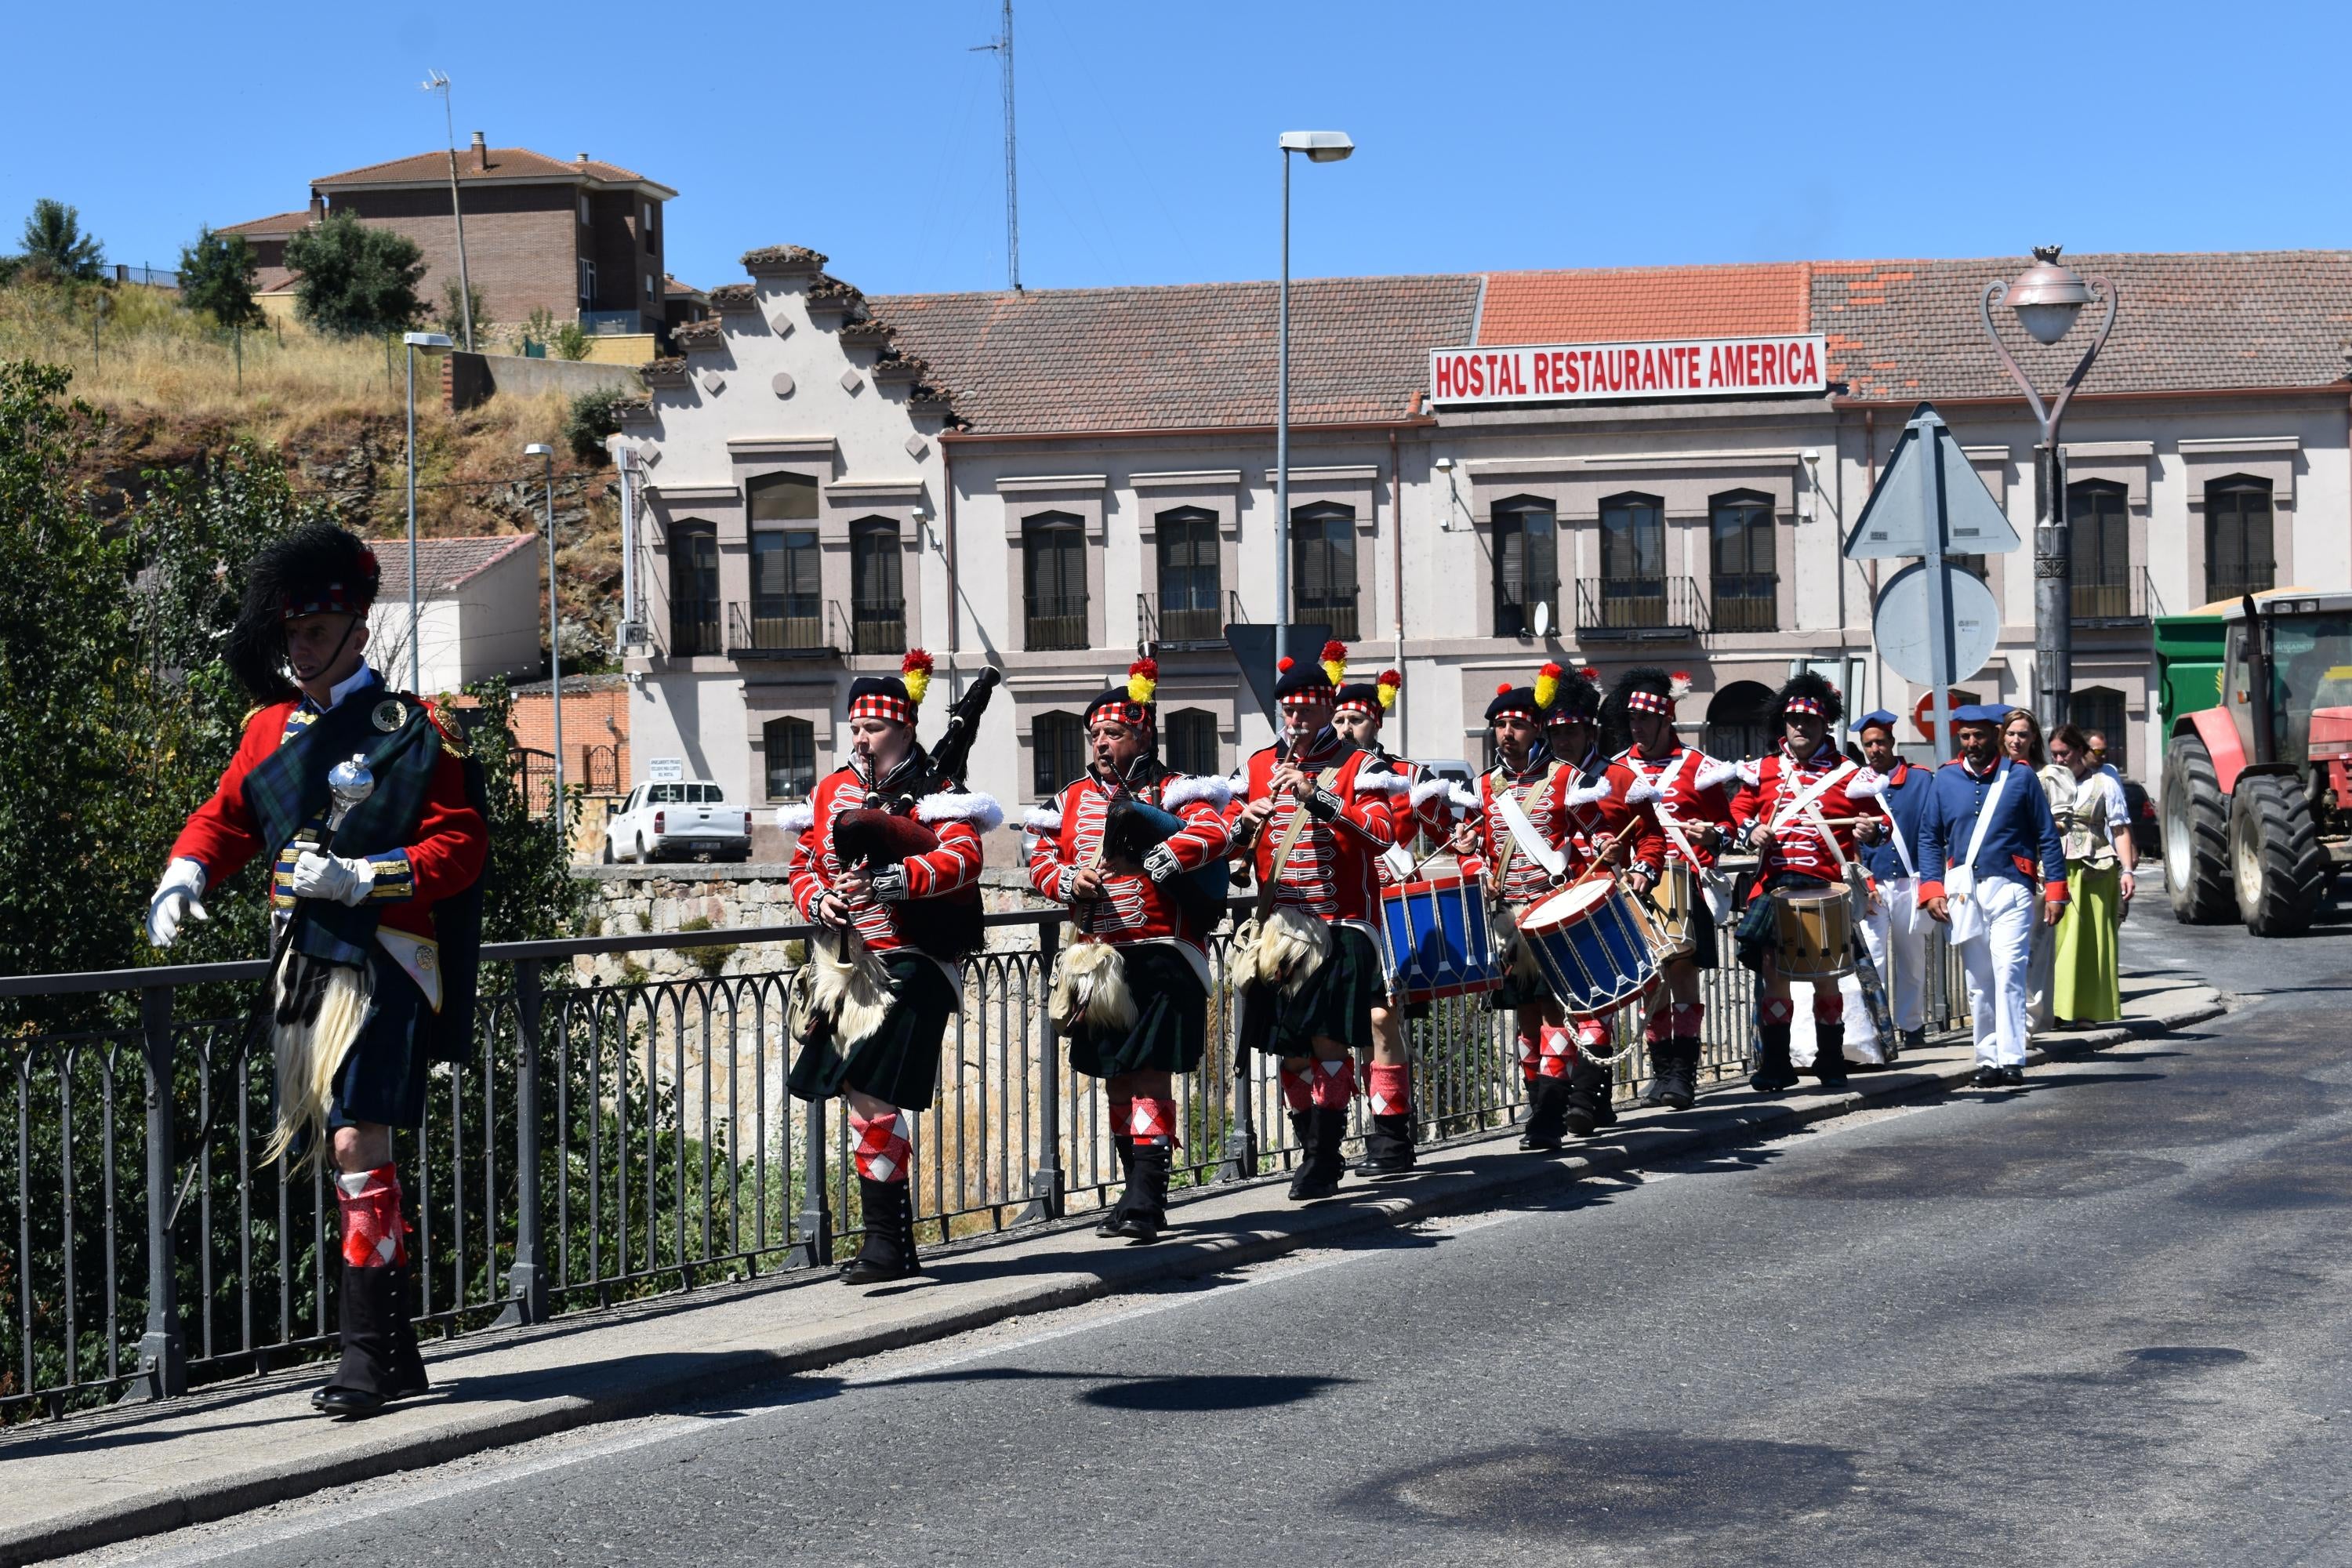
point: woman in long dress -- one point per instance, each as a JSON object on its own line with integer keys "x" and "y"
{"x": 2095, "y": 825}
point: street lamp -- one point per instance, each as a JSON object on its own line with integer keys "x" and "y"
{"x": 415, "y": 341}
{"x": 546, "y": 456}
{"x": 2047, "y": 297}
{"x": 1320, "y": 147}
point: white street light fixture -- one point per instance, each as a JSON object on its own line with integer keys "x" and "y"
{"x": 415, "y": 341}
{"x": 1320, "y": 147}
{"x": 546, "y": 456}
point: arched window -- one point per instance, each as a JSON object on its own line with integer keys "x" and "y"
{"x": 1059, "y": 742}
{"x": 2100, "y": 708}
{"x": 1053, "y": 547}
{"x": 1323, "y": 567}
{"x": 2238, "y": 538}
{"x": 1738, "y": 723}
{"x": 1527, "y": 566}
{"x": 693, "y": 589}
{"x": 2098, "y": 524}
{"x": 1188, "y": 741}
{"x": 790, "y": 747}
{"x": 1189, "y": 588}
{"x": 877, "y": 605}
{"x": 1742, "y": 572}
{"x": 1633, "y": 562}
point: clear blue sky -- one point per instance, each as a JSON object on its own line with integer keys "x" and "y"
{"x": 1489, "y": 135}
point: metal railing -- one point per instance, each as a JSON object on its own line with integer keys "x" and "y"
{"x": 1055, "y": 623}
{"x": 611, "y": 1135}
{"x": 1747, "y": 602}
{"x": 794, "y": 626}
{"x": 612, "y": 323}
{"x": 1184, "y": 630}
{"x": 2131, "y": 601}
{"x": 1661, "y": 609}
{"x": 693, "y": 627}
{"x": 878, "y": 626}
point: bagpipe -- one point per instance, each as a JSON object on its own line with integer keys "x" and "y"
{"x": 1133, "y": 827}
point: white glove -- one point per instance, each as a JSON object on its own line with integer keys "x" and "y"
{"x": 317, "y": 876}
{"x": 180, "y": 893}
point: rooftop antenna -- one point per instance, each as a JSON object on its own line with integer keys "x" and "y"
{"x": 1002, "y": 49}
{"x": 435, "y": 82}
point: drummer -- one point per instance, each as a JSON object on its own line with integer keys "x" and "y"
{"x": 1358, "y": 713}
{"x": 1694, "y": 810}
{"x": 1802, "y": 826}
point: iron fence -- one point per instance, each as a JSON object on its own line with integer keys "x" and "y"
{"x": 612, "y": 1134}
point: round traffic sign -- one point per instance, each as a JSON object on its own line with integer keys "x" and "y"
{"x": 1903, "y": 632}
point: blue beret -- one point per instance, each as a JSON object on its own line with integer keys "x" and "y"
{"x": 1878, "y": 716}
{"x": 1980, "y": 713}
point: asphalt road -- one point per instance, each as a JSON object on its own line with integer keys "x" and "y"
{"x": 2100, "y": 1321}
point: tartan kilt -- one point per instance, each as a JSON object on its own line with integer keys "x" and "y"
{"x": 1172, "y": 1018}
{"x": 898, "y": 1063}
{"x": 1334, "y": 1003}
{"x": 383, "y": 1076}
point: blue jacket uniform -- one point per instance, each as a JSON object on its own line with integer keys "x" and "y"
{"x": 1905, "y": 796}
{"x": 2022, "y": 840}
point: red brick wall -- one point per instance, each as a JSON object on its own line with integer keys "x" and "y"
{"x": 585, "y": 730}
{"x": 522, "y": 243}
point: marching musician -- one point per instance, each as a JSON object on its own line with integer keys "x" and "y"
{"x": 1897, "y": 940}
{"x": 1986, "y": 832}
{"x": 1086, "y": 856}
{"x": 1686, "y": 789}
{"x": 1311, "y": 821}
{"x": 1358, "y": 711}
{"x": 1798, "y": 817}
{"x": 882, "y": 1062}
{"x": 376, "y": 903}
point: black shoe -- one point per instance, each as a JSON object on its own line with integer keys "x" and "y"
{"x": 2013, "y": 1078}
{"x": 1388, "y": 1147}
{"x": 380, "y": 1359}
{"x": 1829, "y": 1054}
{"x": 1775, "y": 1073}
{"x": 348, "y": 1404}
{"x": 1989, "y": 1078}
{"x": 887, "y": 1252}
{"x": 1126, "y": 1147}
{"x": 1318, "y": 1174}
{"x": 1142, "y": 1211}
{"x": 1546, "y": 1114}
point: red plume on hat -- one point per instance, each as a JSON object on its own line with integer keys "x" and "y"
{"x": 914, "y": 673}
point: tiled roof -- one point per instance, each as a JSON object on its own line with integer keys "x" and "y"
{"x": 1639, "y": 304}
{"x": 506, "y": 163}
{"x": 672, "y": 287}
{"x": 275, "y": 224}
{"x": 443, "y": 565}
{"x": 274, "y": 280}
{"x": 1192, "y": 354}
{"x": 1903, "y": 330}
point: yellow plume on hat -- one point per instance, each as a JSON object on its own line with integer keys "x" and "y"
{"x": 1335, "y": 661}
{"x": 1548, "y": 684}
{"x": 915, "y": 674}
{"x": 1142, "y": 679}
{"x": 1389, "y": 681}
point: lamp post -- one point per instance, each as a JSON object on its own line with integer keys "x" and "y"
{"x": 546, "y": 456}
{"x": 1320, "y": 147}
{"x": 415, "y": 341}
{"x": 2047, "y": 297}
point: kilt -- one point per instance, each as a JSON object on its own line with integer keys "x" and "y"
{"x": 383, "y": 1076}
{"x": 1172, "y": 1017}
{"x": 898, "y": 1063}
{"x": 1335, "y": 1002}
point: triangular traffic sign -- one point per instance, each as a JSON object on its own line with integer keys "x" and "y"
{"x": 1900, "y": 513}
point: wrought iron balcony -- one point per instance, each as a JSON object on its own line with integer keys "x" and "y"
{"x": 693, "y": 627}
{"x": 1640, "y": 609}
{"x": 2128, "y": 603}
{"x": 1056, "y": 623}
{"x": 1159, "y": 629}
{"x": 789, "y": 627}
{"x": 1745, "y": 603}
{"x": 879, "y": 625}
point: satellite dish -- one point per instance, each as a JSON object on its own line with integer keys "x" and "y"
{"x": 1543, "y": 619}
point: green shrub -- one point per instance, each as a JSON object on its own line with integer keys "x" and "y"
{"x": 593, "y": 417}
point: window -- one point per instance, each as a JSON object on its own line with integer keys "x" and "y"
{"x": 649, "y": 286}
{"x": 787, "y": 595}
{"x": 791, "y": 745}
{"x": 1633, "y": 562}
{"x": 1053, "y": 547}
{"x": 2238, "y": 538}
{"x": 693, "y": 589}
{"x": 587, "y": 282}
{"x": 1189, "y": 611}
{"x": 1741, "y": 572}
{"x": 2099, "y": 526}
{"x": 2101, "y": 710}
{"x": 1527, "y": 567}
{"x": 650, "y": 211}
{"x": 584, "y": 209}
{"x": 877, "y": 605}
{"x": 1060, "y": 741}
{"x": 1323, "y": 567}
{"x": 1188, "y": 740}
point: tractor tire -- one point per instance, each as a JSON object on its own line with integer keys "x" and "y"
{"x": 2275, "y": 859}
{"x": 2195, "y": 836}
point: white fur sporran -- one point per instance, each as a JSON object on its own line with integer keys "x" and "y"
{"x": 843, "y": 990}
{"x": 1284, "y": 947}
{"x": 1090, "y": 990}
{"x": 320, "y": 1007}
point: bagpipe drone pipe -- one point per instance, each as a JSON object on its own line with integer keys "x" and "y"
{"x": 891, "y": 831}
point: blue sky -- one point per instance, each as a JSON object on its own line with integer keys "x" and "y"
{"x": 1490, "y": 135}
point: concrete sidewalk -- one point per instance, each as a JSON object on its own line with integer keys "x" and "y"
{"x": 137, "y": 1470}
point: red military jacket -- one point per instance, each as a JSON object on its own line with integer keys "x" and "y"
{"x": 1333, "y": 872}
{"x": 1541, "y": 789}
{"x": 1067, "y": 833}
{"x": 1569, "y": 811}
{"x": 1421, "y": 809}
{"x": 1688, "y": 786}
{"x": 447, "y": 854}
{"x": 959, "y": 818}
{"x": 1798, "y": 846}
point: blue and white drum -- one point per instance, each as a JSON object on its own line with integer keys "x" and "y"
{"x": 1437, "y": 937}
{"x": 1594, "y": 948}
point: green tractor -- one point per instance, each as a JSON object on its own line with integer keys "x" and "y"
{"x": 2255, "y": 705}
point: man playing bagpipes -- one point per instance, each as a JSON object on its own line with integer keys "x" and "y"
{"x": 889, "y": 862}
{"x": 1312, "y": 820}
{"x": 1803, "y": 824}
{"x": 375, "y": 825}
{"x": 1685, "y": 787}
{"x": 1138, "y": 851}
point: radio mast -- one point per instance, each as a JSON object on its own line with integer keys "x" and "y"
{"x": 1002, "y": 49}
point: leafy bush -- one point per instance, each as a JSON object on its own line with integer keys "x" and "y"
{"x": 593, "y": 417}
{"x": 451, "y": 316}
{"x": 216, "y": 277}
{"x": 572, "y": 342}
{"x": 356, "y": 280}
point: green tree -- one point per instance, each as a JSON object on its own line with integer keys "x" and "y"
{"x": 55, "y": 246}
{"x": 216, "y": 275}
{"x": 451, "y": 316}
{"x": 572, "y": 341}
{"x": 356, "y": 281}
{"x": 594, "y": 414}
{"x": 529, "y": 892}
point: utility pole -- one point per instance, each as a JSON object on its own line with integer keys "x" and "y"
{"x": 436, "y": 82}
{"x": 1002, "y": 49}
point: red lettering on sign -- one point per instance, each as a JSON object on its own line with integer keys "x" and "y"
{"x": 1812, "y": 366}
{"x": 1543, "y": 372}
{"x": 1772, "y": 364}
{"x": 1754, "y": 366}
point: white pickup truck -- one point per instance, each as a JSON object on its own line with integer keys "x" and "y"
{"x": 686, "y": 820}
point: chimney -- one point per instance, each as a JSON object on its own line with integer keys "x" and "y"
{"x": 318, "y": 207}
{"x": 481, "y": 154}
{"x": 582, "y": 157}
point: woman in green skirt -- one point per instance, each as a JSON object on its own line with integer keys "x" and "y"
{"x": 2096, "y": 827}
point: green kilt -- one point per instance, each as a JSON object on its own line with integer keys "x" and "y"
{"x": 383, "y": 1076}
{"x": 1334, "y": 1003}
{"x": 1172, "y": 1018}
{"x": 898, "y": 1063}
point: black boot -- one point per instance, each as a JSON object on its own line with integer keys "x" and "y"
{"x": 1591, "y": 1086}
{"x": 887, "y": 1252}
{"x": 1142, "y": 1211}
{"x": 379, "y": 1361}
{"x": 1677, "y": 1083}
{"x": 1774, "y": 1074}
{"x": 1661, "y": 1072}
{"x": 1125, "y": 1144}
{"x": 1829, "y": 1053}
{"x": 1302, "y": 1130}
{"x": 1547, "y": 1114}
{"x": 1388, "y": 1147}
{"x": 1318, "y": 1174}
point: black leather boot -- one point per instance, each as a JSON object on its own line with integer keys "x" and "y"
{"x": 1775, "y": 1073}
{"x": 1142, "y": 1211}
{"x": 1125, "y": 1144}
{"x": 1547, "y": 1114}
{"x": 1388, "y": 1147}
{"x": 1677, "y": 1084}
{"x": 1591, "y": 1086}
{"x": 1661, "y": 1072}
{"x": 1318, "y": 1174}
{"x": 887, "y": 1252}
{"x": 379, "y": 1361}
{"x": 1829, "y": 1053}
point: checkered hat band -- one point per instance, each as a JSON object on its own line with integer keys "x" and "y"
{"x": 332, "y": 599}
{"x": 877, "y": 705}
{"x": 1802, "y": 705}
{"x": 1357, "y": 705}
{"x": 1134, "y": 713}
{"x": 1649, "y": 702}
{"x": 1527, "y": 713}
{"x": 1309, "y": 697}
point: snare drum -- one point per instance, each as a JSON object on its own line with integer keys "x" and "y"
{"x": 1675, "y": 905}
{"x": 1812, "y": 930}
{"x": 1437, "y": 932}
{"x": 1594, "y": 946}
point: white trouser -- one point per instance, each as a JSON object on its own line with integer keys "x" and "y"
{"x": 1997, "y": 963}
{"x": 1900, "y": 953}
